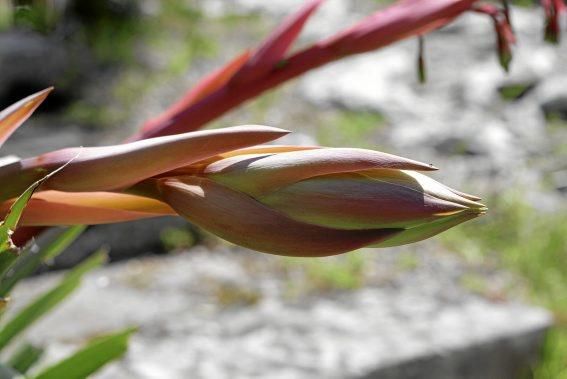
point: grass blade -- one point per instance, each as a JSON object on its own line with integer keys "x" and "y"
{"x": 25, "y": 357}
{"x": 11, "y": 220}
{"x": 31, "y": 257}
{"x": 14, "y": 215}
{"x": 45, "y": 302}
{"x": 89, "y": 359}
{"x": 7, "y": 259}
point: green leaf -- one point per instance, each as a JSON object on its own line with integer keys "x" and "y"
{"x": 89, "y": 359}
{"x": 13, "y": 217}
{"x": 7, "y": 259}
{"x": 25, "y": 357}
{"x": 31, "y": 257}
{"x": 11, "y": 220}
{"x": 45, "y": 302}
{"x": 421, "y": 72}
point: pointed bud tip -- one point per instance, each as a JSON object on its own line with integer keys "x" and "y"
{"x": 37, "y": 98}
{"x": 468, "y": 195}
{"x": 44, "y": 92}
{"x": 476, "y": 212}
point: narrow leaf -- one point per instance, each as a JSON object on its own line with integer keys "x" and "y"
{"x": 91, "y": 358}
{"x": 422, "y": 74}
{"x": 273, "y": 49}
{"x": 16, "y": 114}
{"x": 13, "y": 216}
{"x": 47, "y": 301}
{"x": 31, "y": 257}
{"x": 25, "y": 357}
{"x": 7, "y": 259}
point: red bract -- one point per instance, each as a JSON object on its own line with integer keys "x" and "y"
{"x": 505, "y": 38}
{"x": 268, "y": 66}
{"x": 15, "y": 115}
{"x": 553, "y": 11}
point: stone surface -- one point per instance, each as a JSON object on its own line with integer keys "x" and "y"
{"x": 124, "y": 240}
{"x": 552, "y": 96}
{"x": 228, "y": 314}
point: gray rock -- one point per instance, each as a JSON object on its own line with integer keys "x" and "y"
{"x": 124, "y": 240}
{"x": 375, "y": 81}
{"x": 552, "y": 96}
{"x": 418, "y": 324}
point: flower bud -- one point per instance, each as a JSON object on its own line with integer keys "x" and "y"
{"x": 316, "y": 202}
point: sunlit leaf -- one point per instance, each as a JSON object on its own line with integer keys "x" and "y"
{"x": 31, "y": 257}
{"x": 13, "y": 216}
{"x": 45, "y": 302}
{"x": 25, "y": 357}
{"x": 89, "y": 359}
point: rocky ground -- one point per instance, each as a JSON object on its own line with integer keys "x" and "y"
{"x": 230, "y": 313}
{"x": 424, "y": 311}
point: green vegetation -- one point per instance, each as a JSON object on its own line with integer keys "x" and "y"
{"x": 172, "y": 37}
{"x": 533, "y": 244}
{"x": 350, "y": 128}
{"x": 5, "y": 15}
{"x": 94, "y": 355}
{"x": 228, "y": 295}
{"x": 177, "y": 238}
{"x": 316, "y": 275}
{"x": 38, "y": 16}
{"x": 407, "y": 261}
{"x": 514, "y": 91}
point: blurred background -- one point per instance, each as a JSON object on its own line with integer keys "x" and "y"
{"x": 444, "y": 308}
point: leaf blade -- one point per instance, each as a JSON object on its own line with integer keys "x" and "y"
{"x": 31, "y": 258}
{"x": 14, "y": 214}
{"x": 89, "y": 359}
{"x": 48, "y": 300}
{"x": 25, "y": 357}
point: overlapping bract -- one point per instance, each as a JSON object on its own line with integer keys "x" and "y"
{"x": 287, "y": 200}
{"x": 316, "y": 202}
{"x": 280, "y": 199}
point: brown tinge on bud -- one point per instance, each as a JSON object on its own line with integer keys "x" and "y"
{"x": 240, "y": 219}
{"x": 315, "y": 202}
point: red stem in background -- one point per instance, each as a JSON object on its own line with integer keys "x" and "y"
{"x": 399, "y": 21}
